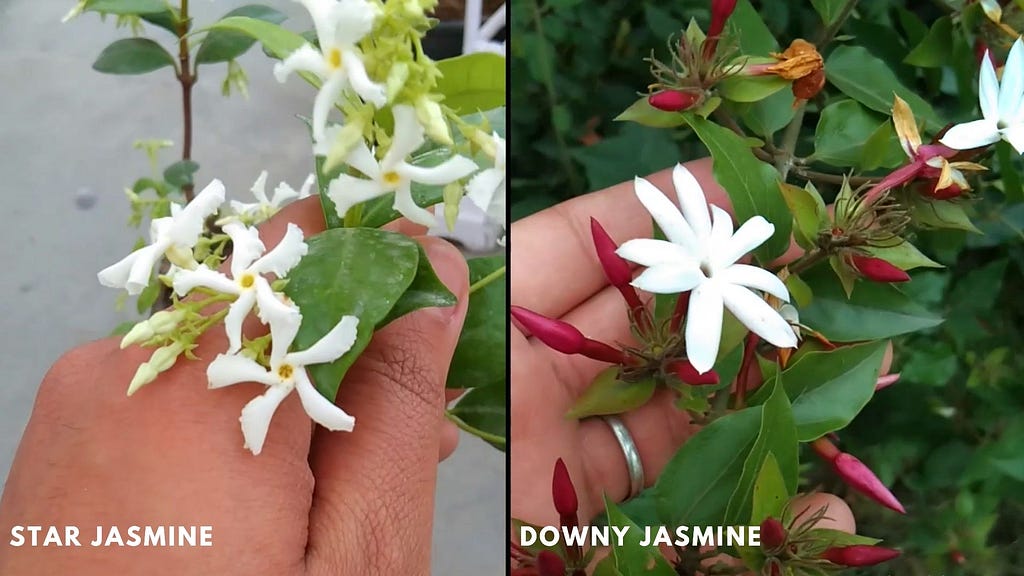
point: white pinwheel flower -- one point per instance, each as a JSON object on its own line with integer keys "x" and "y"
{"x": 701, "y": 255}
{"x": 287, "y": 372}
{"x": 339, "y": 24}
{"x": 247, "y": 281}
{"x": 173, "y": 236}
{"x": 486, "y": 188}
{"x": 263, "y": 208}
{"x": 393, "y": 173}
{"x": 1002, "y": 107}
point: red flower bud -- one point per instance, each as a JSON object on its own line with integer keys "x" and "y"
{"x": 860, "y": 555}
{"x": 550, "y": 564}
{"x": 720, "y": 12}
{"x": 773, "y": 534}
{"x": 886, "y": 381}
{"x": 565, "y": 338}
{"x": 615, "y": 267}
{"x": 878, "y": 270}
{"x": 688, "y": 374}
{"x": 862, "y": 479}
{"x": 562, "y": 491}
{"x": 673, "y": 100}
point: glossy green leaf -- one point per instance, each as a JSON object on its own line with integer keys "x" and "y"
{"x": 480, "y": 358}
{"x": 843, "y": 129}
{"x": 770, "y": 491}
{"x": 125, "y": 7}
{"x": 874, "y": 310}
{"x": 226, "y": 45}
{"x": 770, "y": 115}
{"x": 181, "y": 173}
{"x": 169, "y": 19}
{"x": 342, "y": 275}
{"x": 426, "y": 291}
{"x": 752, "y": 185}
{"x": 941, "y": 214}
{"x": 132, "y": 56}
{"x": 643, "y": 113}
{"x": 277, "y": 41}
{"x": 868, "y": 80}
{"x": 904, "y": 256}
{"x": 882, "y": 149}
{"x": 483, "y": 408}
{"x": 632, "y": 558}
{"x": 472, "y": 82}
{"x": 936, "y": 49}
{"x": 607, "y": 394}
{"x": 829, "y": 10}
{"x": 746, "y": 27}
{"x": 808, "y": 210}
{"x": 739, "y": 88}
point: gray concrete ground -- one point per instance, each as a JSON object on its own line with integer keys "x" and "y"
{"x": 66, "y": 154}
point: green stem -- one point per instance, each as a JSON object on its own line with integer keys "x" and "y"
{"x": 483, "y": 282}
{"x": 492, "y": 438}
{"x": 806, "y": 261}
{"x": 829, "y": 33}
{"x": 789, "y": 140}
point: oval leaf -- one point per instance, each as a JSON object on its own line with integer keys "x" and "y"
{"x": 226, "y": 45}
{"x": 480, "y": 357}
{"x": 132, "y": 56}
{"x": 609, "y": 395}
{"x": 426, "y": 291}
{"x": 483, "y": 408}
{"x": 278, "y": 41}
{"x": 843, "y": 128}
{"x": 472, "y": 82}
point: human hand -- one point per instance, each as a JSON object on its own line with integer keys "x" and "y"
{"x": 314, "y": 502}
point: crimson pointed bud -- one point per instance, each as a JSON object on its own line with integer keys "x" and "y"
{"x": 673, "y": 100}
{"x": 550, "y": 564}
{"x": 859, "y": 477}
{"x": 859, "y": 555}
{"x": 688, "y": 374}
{"x": 615, "y": 267}
{"x": 559, "y": 335}
{"x": 878, "y": 270}
{"x": 775, "y": 569}
{"x": 562, "y": 491}
{"x": 773, "y": 534}
{"x": 886, "y": 381}
{"x": 720, "y": 12}
{"x": 825, "y": 448}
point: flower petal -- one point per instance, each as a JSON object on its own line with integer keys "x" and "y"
{"x": 758, "y": 316}
{"x": 116, "y": 275}
{"x": 257, "y": 414}
{"x": 756, "y": 278}
{"x": 1015, "y": 136}
{"x": 353, "y": 19}
{"x": 367, "y": 89}
{"x": 246, "y": 247}
{"x": 988, "y": 89}
{"x": 668, "y": 279}
{"x": 969, "y": 135}
{"x": 721, "y": 230}
{"x": 346, "y": 191}
{"x": 283, "y": 193}
{"x": 228, "y": 369}
{"x": 191, "y": 220}
{"x": 667, "y": 216}
{"x": 408, "y": 136}
{"x": 259, "y": 188}
{"x": 284, "y": 320}
{"x": 237, "y": 312}
{"x": 285, "y": 255}
{"x": 1011, "y": 89}
{"x": 704, "y": 326}
{"x": 320, "y": 409}
{"x": 186, "y": 280}
{"x": 324, "y": 102}
{"x": 408, "y": 207}
{"x": 750, "y": 235}
{"x": 486, "y": 189}
{"x": 692, "y": 201}
{"x": 446, "y": 172}
{"x": 305, "y": 59}
{"x": 331, "y": 347}
{"x": 361, "y": 158}
{"x": 653, "y": 252}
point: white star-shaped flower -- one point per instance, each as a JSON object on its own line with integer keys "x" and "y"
{"x": 340, "y": 24}
{"x": 287, "y": 372}
{"x": 393, "y": 173}
{"x": 264, "y": 208}
{"x": 486, "y": 188}
{"x": 1002, "y": 107}
{"x": 247, "y": 281}
{"x": 173, "y": 236}
{"x": 702, "y": 256}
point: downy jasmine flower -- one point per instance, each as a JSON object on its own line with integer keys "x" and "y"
{"x": 393, "y": 173}
{"x": 701, "y": 256}
{"x": 1001, "y": 107}
{"x": 263, "y": 208}
{"x": 340, "y": 24}
{"x": 173, "y": 236}
{"x": 486, "y": 188}
{"x": 287, "y": 372}
{"x": 247, "y": 281}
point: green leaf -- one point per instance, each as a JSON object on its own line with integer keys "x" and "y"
{"x": 874, "y": 310}
{"x": 868, "y": 80}
{"x": 936, "y": 49}
{"x": 649, "y": 150}
{"x": 643, "y": 113}
{"x": 132, "y": 56}
{"x": 607, "y": 394}
{"x": 277, "y": 41}
{"x": 941, "y": 214}
{"x": 770, "y": 115}
{"x": 147, "y": 297}
{"x": 696, "y": 484}
{"x": 751, "y": 184}
{"x": 904, "y": 256}
{"x": 342, "y": 275}
{"x": 738, "y": 88}
{"x": 829, "y": 10}
{"x": 747, "y": 28}
{"x": 483, "y": 408}
{"x": 1008, "y": 169}
{"x": 770, "y": 491}
{"x": 480, "y": 357}
{"x": 426, "y": 291}
{"x": 843, "y": 129}
{"x": 808, "y": 210}
{"x": 829, "y": 388}
{"x": 125, "y": 7}
{"x": 226, "y": 45}
{"x": 472, "y": 82}
{"x": 169, "y": 19}
{"x": 180, "y": 173}
{"x": 631, "y": 558}
{"x": 882, "y": 149}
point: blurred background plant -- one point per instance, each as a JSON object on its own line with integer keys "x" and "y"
{"x": 949, "y": 437}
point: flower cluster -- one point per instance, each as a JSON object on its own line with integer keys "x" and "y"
{"x": 794, "y": 543}
{"x": 248, "y": 286}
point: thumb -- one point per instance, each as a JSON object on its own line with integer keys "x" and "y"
{"x": 373, "y": 504}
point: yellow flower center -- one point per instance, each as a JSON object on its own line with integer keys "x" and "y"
{"x": 285, "y": 372}
{"x": 247, "y": 280}
{"x": 392, "y": 178}
{"x": 334, "y": 58}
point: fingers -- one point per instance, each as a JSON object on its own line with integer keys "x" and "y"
{"x": 375, "y": 485}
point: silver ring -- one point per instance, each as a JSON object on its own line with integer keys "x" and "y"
{"x": 633, "y": 464}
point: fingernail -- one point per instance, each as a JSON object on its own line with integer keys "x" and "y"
{"x": 450, "y": 266}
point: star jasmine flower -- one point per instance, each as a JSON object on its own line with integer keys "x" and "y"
{"x": 340, "y": 24}
{"x": 701, "y": 255}
{"x": 487, "y": 187}
{"x": 173, "y": 236}
{"x": 263, "y": 208}
{"x": 1002, "y": 107}
{"x": 393, "y": 173}
{"x": 287, "y": 372}
{"x": 247, "y": 281}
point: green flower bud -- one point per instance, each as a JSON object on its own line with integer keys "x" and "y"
{"x": 144, "y": 375}
{"x": 397, "y": 76}
{"x": 348, "y": 137}
{"x": 166, "y": 356}
{"x": 431, "y": 117}
{"x": 166, "y": 320}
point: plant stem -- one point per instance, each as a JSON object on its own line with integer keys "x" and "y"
{"x": 822, "y": 177}
{"x": 829, "y": 33}
{"x": 187, "y": 79}
{"x": 483, "y": 282}
{"x": 492, "y": 438}
{"x": 789, "y": 140}
{"x": 806, "y": 261}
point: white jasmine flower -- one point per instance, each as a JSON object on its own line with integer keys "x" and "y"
{"x": 287, "y": 372}
{"x": 247, "y": 281}
{"x": 173, "y": 236}
{"x": 1001, "y": 107}
{"x": 393, "y": 173}
{"x": 264, "y": 208}
{"x": 487, "y": 188}
{"x": 339, "y": 24}
{"x": 701, "y": 256}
